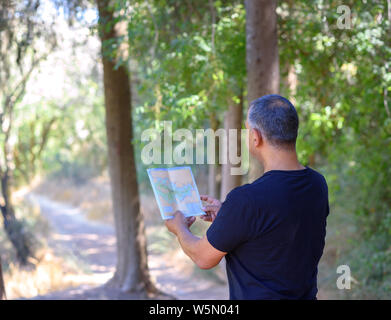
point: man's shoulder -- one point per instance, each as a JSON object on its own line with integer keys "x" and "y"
{"x": 317, "y": 175}
{"x": 238, "y": 192}
{"x": 245, "y": 192}
{"x": 262, "y": 186}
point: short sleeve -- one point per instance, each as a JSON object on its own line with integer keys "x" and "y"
{"x": 232, "y": 225}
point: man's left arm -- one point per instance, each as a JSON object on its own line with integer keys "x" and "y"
{"x": 199, "y": 250}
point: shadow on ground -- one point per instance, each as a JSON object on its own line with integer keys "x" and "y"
{"x": 92, "y": 244}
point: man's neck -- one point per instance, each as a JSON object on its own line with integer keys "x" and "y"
{"x": 281, "y": 160}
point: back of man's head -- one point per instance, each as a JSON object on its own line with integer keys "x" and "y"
{"x": 276, "y": 119}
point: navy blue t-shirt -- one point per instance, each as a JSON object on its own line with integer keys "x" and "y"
{"x": 273, "y": 231}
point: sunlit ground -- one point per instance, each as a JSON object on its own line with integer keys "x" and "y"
{"x": 78, "y": 245}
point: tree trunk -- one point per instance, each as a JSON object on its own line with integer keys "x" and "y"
{"x": 12, "y": 226}
{"x": 213, "y": 175}
{"x": 214, "y": 170}
{"x": 2, "y": 286}
{"x": 132, "y": 274}
{"x": 232, "y": 120}
{"x": 292, "y": 83}
{"x": 263, "y": 75}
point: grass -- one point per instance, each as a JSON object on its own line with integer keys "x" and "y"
{"x": 46, "y": 272}
{"x": 369, "y": 259}
{"x": 340, "y": 229}
{"x": 49, "y": 273}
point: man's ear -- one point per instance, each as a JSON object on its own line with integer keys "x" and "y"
{"x": 256, "y": 137}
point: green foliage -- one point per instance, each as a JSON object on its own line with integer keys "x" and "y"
{"x": 370, "y": 263}
{"x": 80, "y": 153}
{"x": 182, "y": 61}
{"x": 342, "y": 95}
{"x": 187, "y": 60}
{"x": 343, "y": 79}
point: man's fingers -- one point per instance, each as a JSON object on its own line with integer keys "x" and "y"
{"x": 190, "y": 221}
{"x": 210, "y": 208}
{"x": 209, "y": 217}
{"x": 168, "y": 224}
{"x": 206, "y": 198}
{"x": 205, "y": 216}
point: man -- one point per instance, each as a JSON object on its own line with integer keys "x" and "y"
{"x": 272, "y": 231}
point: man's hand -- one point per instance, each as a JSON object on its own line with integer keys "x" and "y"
{"x": 211, "y": 209}
{"x": 179, "y": 222}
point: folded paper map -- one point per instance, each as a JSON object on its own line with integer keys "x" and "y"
{"x": 175, "y": 189}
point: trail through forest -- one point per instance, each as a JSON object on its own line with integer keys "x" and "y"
{"x": 92, "y": 245}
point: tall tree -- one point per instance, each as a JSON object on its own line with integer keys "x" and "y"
{"x": 214, "y": 170}
{"x": 2, "y": 286}
{"x": 22, "y": 33}
{"x": 131, "y": 273}
{"x": 232, "y": 121}
{"x": 263, "y": 72}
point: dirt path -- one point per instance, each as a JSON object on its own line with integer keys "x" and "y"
{"x": 92, "y": 245}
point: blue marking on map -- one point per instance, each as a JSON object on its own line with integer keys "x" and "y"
{"x": 193, "y": 208}
{"x": 169, "y": 191}
{"x": 183, "y": 191}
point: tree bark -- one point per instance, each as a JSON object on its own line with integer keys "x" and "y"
{"x": 232, "y": 120}
{"x": 2, "y": 286}
{"x": 263, "y": 75}
{"x": 12, "y": 226}
{"x": 214, "y": 170}
{"x": 213, "y": 183}
{"x": 132, "y": 274}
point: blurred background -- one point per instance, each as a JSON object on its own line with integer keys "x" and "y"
{"x": 72, "y": 75}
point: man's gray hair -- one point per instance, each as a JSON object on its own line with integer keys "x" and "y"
{"x": 276, "y": 119}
